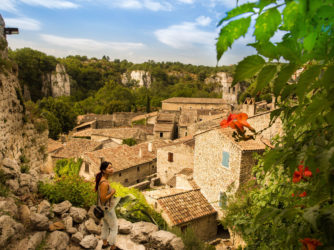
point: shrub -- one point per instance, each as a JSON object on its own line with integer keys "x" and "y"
{"x": 129, "y": 141}
{"x": 25, "y": 168}
{"x": 4, "y": 190}
{"x": 72, "y": 188}
{"x": 67, "y": 167}
{"x": 23, "y": 159}
{"x": 139, "y": 122}
{"x": 190, "y": 240}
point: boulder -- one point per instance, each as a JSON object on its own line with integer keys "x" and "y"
{"x": 177, "y": 244}
{"x": 124, "y": 242}
{"x": 10, "y": 168}
{"x": 89, "y": 242}
{"x": 25, "y": 180}
{"x": 56, "y": 226}
{"x": 78, "y": 214}
{"x": 44, "y": 208}
{"x": 24, "y": 214}
{"x": 8, "y": 206}
{"x": 92, "y": 227}
{"x": 13, "y": 185}
{"x": 57, "y": 240}
{"x": 62, "y": 207}
{"x": 161, "y": 239}
{"x": 39, "y": 221}
{"x": 9, "y": 229}
{"x": 24, "y": 191}
{"x": 68, "y": 222}
{"x": 72, "y": 230}
{"x": 141, "y": 231}
{"x": 35, "y": 240}
{"x": 82, "y": 229}
{"x": 77, "y": 237}
{"x": 124, "y": 226}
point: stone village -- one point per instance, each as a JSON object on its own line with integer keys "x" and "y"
{"x": 183, "y": 162}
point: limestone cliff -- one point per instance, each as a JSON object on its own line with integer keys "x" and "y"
{"x": 57, "y": 83}
{"x": 143, "y": 78}
{"x": 19, "y": 138}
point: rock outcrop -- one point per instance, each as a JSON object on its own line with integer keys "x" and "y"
{"x": 142, "y": 77}
{"x": 57, "y": 83}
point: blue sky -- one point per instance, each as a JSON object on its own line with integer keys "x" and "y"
{"x": 135, "y": 30}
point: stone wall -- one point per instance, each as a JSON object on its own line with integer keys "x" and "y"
{"x": 205, "y": 228}
{"x": 163, "y": 135}
{"x": 261, "y": 121}
{"x": 209, "y": 173}
{"x": 180, "y": 106}
{"x": 183, "y": 157}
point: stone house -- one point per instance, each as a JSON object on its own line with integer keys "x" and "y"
{"x": 53, "y": 147}
{"x": 116, "y": 119}
{"x": 222, "y": 165}
{"x": 149, "y": 118}
{"x": 116, "y": 135}
{"x": 75, "y": 148}
{"x": 187, "y": 117}
{"x": 172, "y": 158}
{"x": 86, "y": 125}
{"x": 185, "y": 208}
{"x": 179, "y": 103}
{"x": 165, "y": 127}
{"x": 132, "y": 165}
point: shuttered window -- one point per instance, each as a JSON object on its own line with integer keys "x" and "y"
{"x": 226, "y": 159}
{"x": 170, "y": 157}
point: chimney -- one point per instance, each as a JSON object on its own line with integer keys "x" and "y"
{"x": 140, "y": 153}
{"x": 149, "y": 147}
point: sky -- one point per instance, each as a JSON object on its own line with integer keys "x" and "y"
{"x": 135, "y": 30}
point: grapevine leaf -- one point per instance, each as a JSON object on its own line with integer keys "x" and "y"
{"x": 266, "y": 49}
{"x": 290, "y": 15}
{"x": 266, "y": 24}
{"x": 265, "y": 76}
{"x": 248, "y": 67}
{"x": 229, "y": 33}
{"x": 305, "y": 79}
{"x": 241, "y": 9}
{"x": 289, "y": 49}
{"x": 309, "y": 41}
{"x": 283, "y": 76}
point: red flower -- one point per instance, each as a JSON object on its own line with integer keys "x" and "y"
{"x": 293, "y": 195}
{"x": 237, "y": 121}
{"x": 303, "y": 194}
{"x": 310, "y": 244}
{"x": 297, "y": 176}
{"x": 317, "y": 170}
{"x": 301, "y": 174}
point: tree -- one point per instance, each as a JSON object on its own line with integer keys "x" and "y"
{"x": 291, "y": 203}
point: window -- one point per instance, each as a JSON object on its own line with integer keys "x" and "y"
{"x": 170, "y": 157}
{"x": 120, "y": 174}
{"x": 86, "y": 167}
{"x": 186, "y": 133}
{"x": 138, "y": 169}
{"x": 222, "y": 199}
{"x": 161, "y": 134}
{"x": 233, "y": 89}
{"x": 226, "y": 159}
{"x": 138, "y": 181}
{"x": 152, "y": 166}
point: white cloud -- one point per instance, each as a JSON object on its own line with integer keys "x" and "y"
{"x": 8, "y": 5}
{"x": 185, "y": 35}
{"x": 89, "y": 44}
{"x": 142, "y": 4}
{"x": 187, "y": 1}
{"x": 203, "y": 21}
{"x": 52, "y": 4}
{"x": 23, "y": 23}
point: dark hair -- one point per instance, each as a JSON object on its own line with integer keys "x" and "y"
{"x": 98, "y": 177}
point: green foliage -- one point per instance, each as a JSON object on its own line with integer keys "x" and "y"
{"x": 24, "y": 169}
{"x": 72, "y": 188}
{"x": 67, "y": 167}
{"x": 129, "y": 141}
{"x": 265, "y": 212}
{"x": 136, "y": 209}
{"x": 139, "y": 122}
{"x": 190, "y": 240}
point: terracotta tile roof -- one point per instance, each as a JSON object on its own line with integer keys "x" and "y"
{"x": 159, "y": 193}
{"x": 76, "y": 147}
{"x": 123, "y": 157}
{"x": 144, "y": 116}
{"x": 166, "y": 117}
{"x": 187, "y": 171}
{"x": 163, "y": 127}
{"x": 84, "y": 124}
{"x": 195, "y": 100}
{"x": 53, "y": 145}
{"x": 187, "y": 140}
{"x": 185, "y": 207}
{"x": 90, "y": 117}
{"x": 119, "y": 133}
